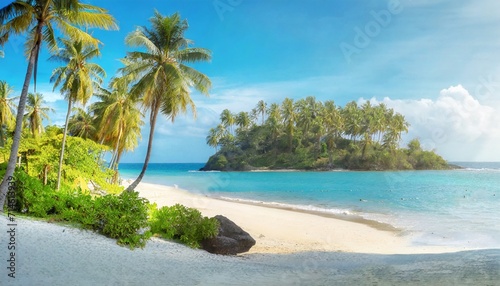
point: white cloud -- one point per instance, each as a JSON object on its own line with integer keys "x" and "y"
{"x": 455, "y": 124}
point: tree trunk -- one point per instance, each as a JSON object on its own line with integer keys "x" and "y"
{"x": 114, "y": 162}
{"x": 11, "y": 165}
{"x": 61, "y": 157}
{"x": 116, "y": 174}
{"x": 152, "y": 122}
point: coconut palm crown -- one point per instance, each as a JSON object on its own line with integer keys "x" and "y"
{"x": 39, "y": 20}
{"x": 161, "y": 75}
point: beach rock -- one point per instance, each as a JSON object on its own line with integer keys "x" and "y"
{"x": 231, "y": 239}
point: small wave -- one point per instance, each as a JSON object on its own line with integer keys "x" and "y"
{"x": 482, "y": 169}
{"x": 306, "y": 208}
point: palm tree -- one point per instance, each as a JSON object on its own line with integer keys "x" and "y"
{"x": 243, "y": 120}
{"x": 119, "y": 118}
{"x": 333, "y": 126}
{"x": 289, "y": 118}
{"x": 274, "y": 123}
{"x": 212, "y": 139}
{"x": 81, "y": 124}
{"x": 367, "y": 126}
{"x": 380, "y": 123}
{"x": 261, "y": 109}
{"x": 76, "y": 80}
{"x": 162, "y": 77}
{"x": 6, "y": 107}
{"x": 40, "y": 19}
{"x": 227, "y": 119}
{"x": 36, "y": 113}
{"x": 353, "y": 118}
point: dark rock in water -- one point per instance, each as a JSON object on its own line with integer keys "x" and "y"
{"x": 231, "y": 239}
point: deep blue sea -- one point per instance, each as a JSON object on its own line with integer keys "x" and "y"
{"x": 454, "y": 208}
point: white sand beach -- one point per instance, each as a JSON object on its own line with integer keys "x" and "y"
{"x": 292, "y": 249}
{"x": 287, "y": 231}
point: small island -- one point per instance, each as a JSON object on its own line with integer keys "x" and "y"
{"x": 309, "y": 134}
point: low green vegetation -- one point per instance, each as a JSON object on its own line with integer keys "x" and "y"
{"x": 183, "y": 224}
{"x": 126, "y": 217}
{"x": 312, "y": 135}
{"x": 83, "y": 164}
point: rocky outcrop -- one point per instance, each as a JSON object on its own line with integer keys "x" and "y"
{"x": 231, "y": 239}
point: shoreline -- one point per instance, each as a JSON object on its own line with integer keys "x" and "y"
{"x": 286, "y": 230}
{"x": 345, "y": 217}
{"x": 53, "y": 254}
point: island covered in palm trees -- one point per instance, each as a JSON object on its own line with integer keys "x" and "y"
{"x": 309, "y": 134}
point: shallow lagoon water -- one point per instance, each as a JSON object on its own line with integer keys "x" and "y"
{"x": 454, "y": 208}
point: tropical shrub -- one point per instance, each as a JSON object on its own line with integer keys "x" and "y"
{"x": 184, "y": 224}
{"x": 32, "y": 197}
{"x": 117, "y": 216}
{"x": 123, "y": 217}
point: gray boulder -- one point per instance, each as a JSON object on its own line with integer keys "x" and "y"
{"x": 231, "y": 239}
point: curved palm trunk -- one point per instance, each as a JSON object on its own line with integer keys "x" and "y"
{"x": 116, "y": 174}
{"x": 116, "y": 158}
{"x": 152, "y": 122}
{"x": 11, "y": 165}
{"x": 114, "y": 162}
{"x": 61, "y": 157}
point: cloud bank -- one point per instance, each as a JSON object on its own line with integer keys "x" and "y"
{"x": 455, "y": 124}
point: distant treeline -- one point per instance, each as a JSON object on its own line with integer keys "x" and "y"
{"x": 314, "y": 135}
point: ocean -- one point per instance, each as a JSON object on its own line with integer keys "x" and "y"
{"x": 459, "y": 208}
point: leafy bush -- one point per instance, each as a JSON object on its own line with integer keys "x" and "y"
{"x": 122, "y": 217}
{"x": 80, "y": 208}
{"x": 184, "y": 224}
{"x": 32, "y": 197}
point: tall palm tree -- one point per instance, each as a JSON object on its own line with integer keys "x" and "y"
{"x": 289, "y": 118}
{"x": 162, "y": 77}
{"x": 367, "y": 126}
{"x": 333, "y": 125}
{"x": 81, "y": 124}
{"x": 212, "y": 139}
{"x": 40, "y": 19}
{"x": 261, "y": 109}
{"x": 76, "y": 80}
{"x": 353, "y": 120}
{"x": 243, "y": 120}
{"x": 228, "y": 119}
{"x": 119, "y": 118}
{"x": 6, "y": 108}
{"x": 36, "y": 113}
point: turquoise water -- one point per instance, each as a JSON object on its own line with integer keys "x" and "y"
{"x": 455, "y": 208}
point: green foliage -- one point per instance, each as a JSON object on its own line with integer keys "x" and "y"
{"x": 184, "y": 224}
{"x": 218, "y": 162}
{"x": 116, "y": 216}
{"x": 32, "y": 197}
{"x": 309, "y": 134}
{"x": 122, "y": 217}
{"x": 82, "y": 166}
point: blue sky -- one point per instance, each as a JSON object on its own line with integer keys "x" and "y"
{"x": 435, "y": 61}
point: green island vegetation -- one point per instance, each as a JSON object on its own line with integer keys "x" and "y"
{"x": 308, "y": 134}
{"x": 60, "y": 173}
